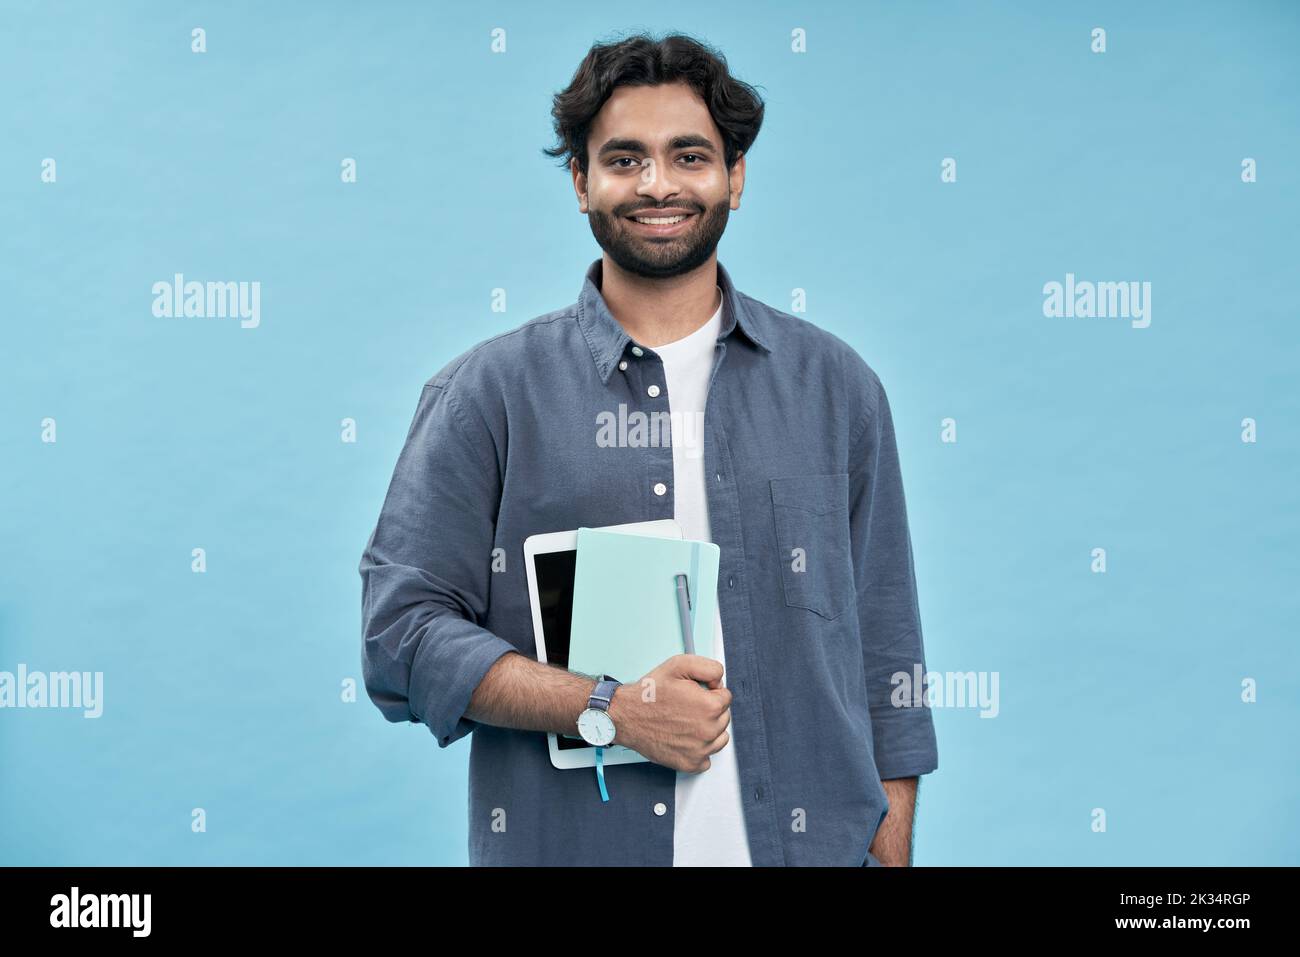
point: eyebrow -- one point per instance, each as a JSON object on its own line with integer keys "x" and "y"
{"x": 683, "y": 141}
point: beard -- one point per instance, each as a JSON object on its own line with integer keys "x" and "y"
{"x": 656, "y": 258}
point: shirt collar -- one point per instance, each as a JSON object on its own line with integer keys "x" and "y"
{"x": 608, "y": 339}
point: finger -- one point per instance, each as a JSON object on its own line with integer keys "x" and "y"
{"x": 724, "y": 722}
{"x": 699, "y": 668}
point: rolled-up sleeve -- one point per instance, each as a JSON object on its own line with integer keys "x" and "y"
{"x": 889, "y": 615}
{"x": 425, "y": 572}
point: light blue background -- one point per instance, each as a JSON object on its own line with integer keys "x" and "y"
{"x": 1119, "y": 691}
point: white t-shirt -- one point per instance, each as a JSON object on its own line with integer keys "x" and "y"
{"x": 709, "y": 821}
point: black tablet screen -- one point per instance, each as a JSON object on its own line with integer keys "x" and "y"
{"x": 555, "y": 598}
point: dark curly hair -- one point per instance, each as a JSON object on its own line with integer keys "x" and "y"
{"x": 641, "y": 60}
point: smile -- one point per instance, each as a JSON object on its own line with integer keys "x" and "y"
{"x": 660, "y": 225}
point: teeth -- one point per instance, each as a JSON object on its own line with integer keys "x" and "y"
{"x": 661, "y": 221}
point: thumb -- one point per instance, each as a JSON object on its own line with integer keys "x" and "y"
{"x": 700, "y": 668}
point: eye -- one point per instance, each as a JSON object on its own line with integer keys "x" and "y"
{"x": 696, "y": 155}
{"x": 620, "y": 159}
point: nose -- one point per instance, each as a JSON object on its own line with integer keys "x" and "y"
{"x": 657, "y": 180}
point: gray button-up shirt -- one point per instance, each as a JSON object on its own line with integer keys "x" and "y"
{"x": 817, "y": 589}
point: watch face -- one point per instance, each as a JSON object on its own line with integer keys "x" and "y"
{"x": 596, "y": 727}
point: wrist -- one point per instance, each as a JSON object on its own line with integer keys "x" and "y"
{"x": 596, "y": 722}
{"x": 620, "y": 714}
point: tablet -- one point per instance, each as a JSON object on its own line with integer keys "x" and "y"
{"x": 550, "y": 561}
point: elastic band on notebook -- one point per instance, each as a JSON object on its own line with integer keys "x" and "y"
{"x": 695, "y": 588}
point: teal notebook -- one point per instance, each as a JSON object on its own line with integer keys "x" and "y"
{"x": 625, "y": 613}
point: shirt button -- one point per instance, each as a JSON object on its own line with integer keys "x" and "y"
{"x": 622, "y": 364}
{"x": 660, "y": 488}
{"x": 731, "y": 583}
{"x": 661, "y": 808}
{"x": 636, "y": 351}
{"x": 653, "y": 391}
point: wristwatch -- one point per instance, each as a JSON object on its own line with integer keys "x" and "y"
{"x": 594, "y": 724}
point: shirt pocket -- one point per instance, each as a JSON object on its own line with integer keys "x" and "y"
{"x": 811, "y": 515}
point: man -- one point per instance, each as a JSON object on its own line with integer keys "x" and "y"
{"x": 787, "y": 749}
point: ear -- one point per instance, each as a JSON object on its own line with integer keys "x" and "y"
{"x": 579, "y": 184}
{"x": 736, "y": 180}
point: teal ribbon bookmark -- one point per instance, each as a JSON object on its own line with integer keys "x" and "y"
{"x": 600, "y": 773}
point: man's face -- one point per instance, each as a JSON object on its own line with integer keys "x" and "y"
{"x": 654, "y": 152}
